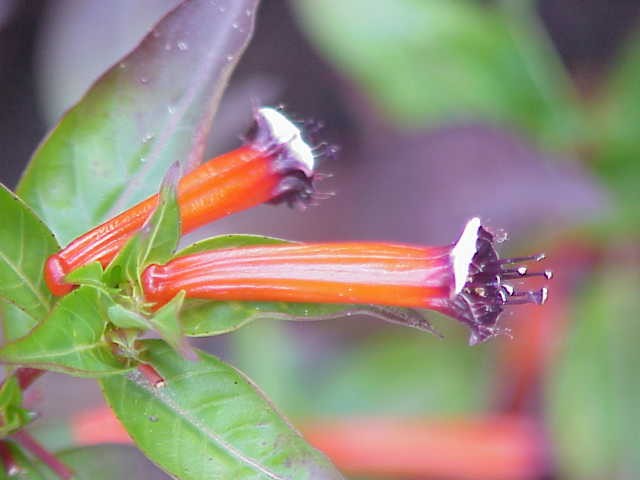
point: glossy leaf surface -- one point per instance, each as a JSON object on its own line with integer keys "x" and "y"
{"x": 209, "y": 421}
{"x": 71, "y": 339}
{"x": 161, "y": 235}
{"x": 150, "y": 109}
{"x": 229, "y": 241}
{"x": 202, "y": 319}
{"x": 25, "y": 244}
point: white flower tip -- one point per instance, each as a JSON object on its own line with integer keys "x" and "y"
{"x": 283, "y": 131}
{"x": 463, "y": 252}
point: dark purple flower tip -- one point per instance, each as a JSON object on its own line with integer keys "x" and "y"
{"x": 482, "y": 288}
{"x": 293, "y": 158}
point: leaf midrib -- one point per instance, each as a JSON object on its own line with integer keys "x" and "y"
{"x": 21, "y": 275}
{"x": 166, "y": 401}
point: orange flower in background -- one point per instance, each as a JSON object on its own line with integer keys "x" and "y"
{"x": 466, "y": 280}
{"x": 275, "y": 165}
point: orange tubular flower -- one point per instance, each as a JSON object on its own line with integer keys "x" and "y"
{"x": 465, "y": 280}
{"x": 275, "y": 165}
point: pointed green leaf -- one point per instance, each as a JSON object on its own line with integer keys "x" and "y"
{"x": 167, "y": 323}
{"x": 124, "y": 268}
{"x": 229, "y": 241}
{"x": 12, "y": 415}
{"x": 90, "y": 274}
{"x": 161, "y": 235}
{"x": 25, "y": 244}
{"x": 122, "y": 317}
{"x": 203, "y": 318}
{"x": 71, "y": 339}
{"x": 155, "y": 243}
{"x": 209, "y": 421}
{"x": 150, "y": 109}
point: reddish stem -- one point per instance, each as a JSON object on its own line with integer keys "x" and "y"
{"x": 46, "y": 457}
{"x": 151, "y": 374}
{"x": 26, "y": 376}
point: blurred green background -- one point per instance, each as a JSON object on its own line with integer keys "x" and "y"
{"x": 525, "y": 113}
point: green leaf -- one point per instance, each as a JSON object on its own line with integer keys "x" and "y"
{"x": 106, "y": 462}
{"x": 167, "y": 323}
{"x": 150, "y": 109}
{"x": 201, "y": 318}
{"x": 155, "y": 243}
{"x": 71, "y": 339}
{"x": 229, "y": 241}
{"x": 124, "y": 269}
{"x": 25, "y": 244}
{"x": 161, "y": 235}
{"x": 15, "y": 321}
{"x": 209, "y": 421}
{"x": 89, "y": 274}
{"x": 12, "y": 415}
{"x": 122, "y": 317}
{"x": 433, "y": 61}
{"x": 593, "y": 392}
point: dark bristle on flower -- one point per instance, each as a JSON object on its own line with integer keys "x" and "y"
{"x": 485, "y": 292}
{"x": 293, "y": 156}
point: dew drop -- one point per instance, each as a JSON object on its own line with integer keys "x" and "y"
{"x": 182, "y": 46}
{"x": 148, "y": 137}
{"x": 167, "y": 46}
{"x": 143, "y": 80}
{"x": 235, "y": 25}
{"x": 143, "y": 159}
{"x": 248, "y": 12}
{"x": 221, "y": 9}
{"x": 171, "y": 109}
{"x": 122, "y": 65}
{"x": 229, "y": 58}
{"x": 153, "y": 418}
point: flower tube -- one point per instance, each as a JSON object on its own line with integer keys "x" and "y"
{"x": 466, "y": 280}
{"x": 275, "y": 165}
